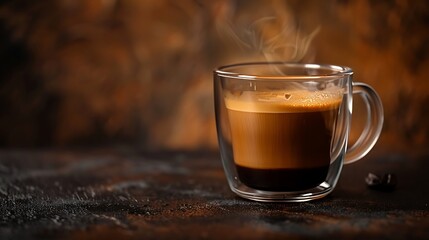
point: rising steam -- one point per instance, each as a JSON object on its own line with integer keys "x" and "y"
{"x": 271, "y": 38}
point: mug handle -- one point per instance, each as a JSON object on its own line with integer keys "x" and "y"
{"x": 373, "y": 126}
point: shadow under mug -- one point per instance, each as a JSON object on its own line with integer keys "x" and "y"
{"x": 283, "y": 127}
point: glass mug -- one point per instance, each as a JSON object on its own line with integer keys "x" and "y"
{"x": 283, "y": 128}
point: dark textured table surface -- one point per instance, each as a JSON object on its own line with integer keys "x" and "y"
{"x": 124, "y": 194}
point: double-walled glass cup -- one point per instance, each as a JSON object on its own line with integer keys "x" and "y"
{"x": 283, "y": 128}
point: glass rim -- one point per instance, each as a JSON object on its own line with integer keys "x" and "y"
{"x": 336, "y": 71}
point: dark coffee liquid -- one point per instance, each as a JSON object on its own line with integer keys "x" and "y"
{"x": 282, "y": 179}
{"x": 282, "y": 145}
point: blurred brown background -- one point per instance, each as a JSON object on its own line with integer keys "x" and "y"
{"x": 139, "y": 73}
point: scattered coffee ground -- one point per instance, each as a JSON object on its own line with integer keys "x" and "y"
{"x": 387, "y": 183}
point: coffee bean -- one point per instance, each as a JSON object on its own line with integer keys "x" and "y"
{"x": 372, "y": 180}
{"x": 386, "y": 183}
{"x": 389, "y": 181}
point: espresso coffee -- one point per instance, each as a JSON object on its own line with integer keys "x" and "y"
{"x": 282, "y": 140}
